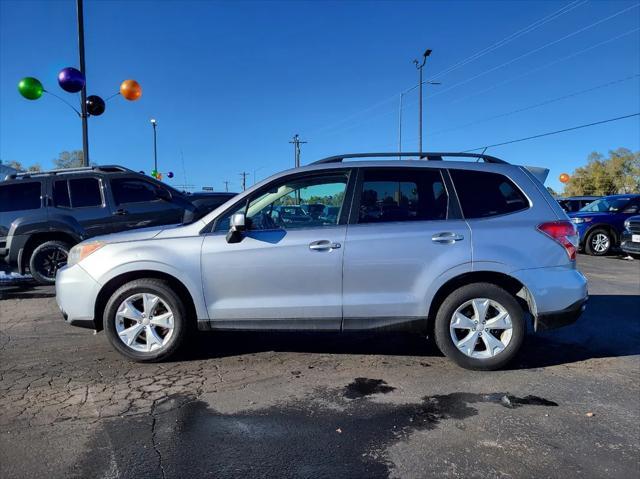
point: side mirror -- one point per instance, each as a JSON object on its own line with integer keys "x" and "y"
{"x": 237, "y": 226}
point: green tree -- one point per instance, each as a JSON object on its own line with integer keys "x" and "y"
{"x": 619, "y": 173}
{"x": 69, "y": 159}
{"x": 16, "y": 165}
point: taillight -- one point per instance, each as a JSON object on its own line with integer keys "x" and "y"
{"x": 564, "y": 233}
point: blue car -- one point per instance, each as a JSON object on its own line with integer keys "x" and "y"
{"x": 600, "y": 224}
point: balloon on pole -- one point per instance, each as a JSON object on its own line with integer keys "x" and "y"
{"x": 131, "y": 90}
{"x": 564, "y": 177}
{"x": 95, "y": 105}
{"x": 71, "y": 80}
{"x": 30, "y": 88}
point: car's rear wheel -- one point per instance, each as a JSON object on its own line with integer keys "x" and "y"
{"x": 480, "y": 326}
{"x": 46, "y": 259}
{"x": 145, "y": 320}
{"x": 598, "y": 242}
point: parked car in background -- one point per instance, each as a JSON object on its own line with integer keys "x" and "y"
{"x": 205, "y": 202}
{"x": 576, "y": 203}
{"x": 600, "y": 224}
{"x": 466, "y": 252}
{"x": 630, "y": 241}
{"x": 42, "y": 215}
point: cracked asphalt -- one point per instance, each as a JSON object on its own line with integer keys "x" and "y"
{"x": 303, "y": 405}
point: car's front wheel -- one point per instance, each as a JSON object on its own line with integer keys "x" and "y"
{"x": 145, "y": 320}
{"x": 599, "y": 242}
{"x": 480, "y": 326}
{"x": 46, "y": 259}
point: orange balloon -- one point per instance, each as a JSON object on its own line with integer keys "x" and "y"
{"x": 564, "y": 177}
{"x": 131, "y": 90}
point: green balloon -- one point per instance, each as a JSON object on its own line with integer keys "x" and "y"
{"x": 30, "y": 88}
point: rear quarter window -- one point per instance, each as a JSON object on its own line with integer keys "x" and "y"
{"x": 20, "y": 196}
{"x": 483, "y": 194}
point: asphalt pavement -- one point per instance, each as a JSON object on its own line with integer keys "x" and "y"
{"x": 302, "y": 405}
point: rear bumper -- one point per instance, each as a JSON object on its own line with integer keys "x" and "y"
{"x": 76, "y": 294}
{"x": 558, "y": 319}
{"x": 558, "y": 294}
{"x": 627, "y": 245}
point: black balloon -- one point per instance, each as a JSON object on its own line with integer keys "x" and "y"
{"x": 95, "y": 105}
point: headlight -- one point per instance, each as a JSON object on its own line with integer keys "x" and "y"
{"x": 81, "y": 251}
{"x": 582, "y": 220}
{"x": 627, "y": 224}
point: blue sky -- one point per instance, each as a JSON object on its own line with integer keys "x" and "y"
{"x": 231, "y": 82}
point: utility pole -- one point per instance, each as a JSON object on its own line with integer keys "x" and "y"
{"x": 83, "y": 92}
{"x": 154, "y": 123}
{"x": 420, "y": 66}
{"x": 226, "y": 186}
{"x": 296, "y": 148}
{"x": 244, "y": 175}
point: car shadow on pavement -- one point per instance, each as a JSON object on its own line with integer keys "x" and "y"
{"x": 223, "y": 343}
{"x": 610, "y": 327}
{"x": 29, "y": 290}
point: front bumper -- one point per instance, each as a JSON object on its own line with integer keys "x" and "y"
{"x": 627, "y": 245}
{"x": 76, "y": 294}
{"x": 558, "y": 319}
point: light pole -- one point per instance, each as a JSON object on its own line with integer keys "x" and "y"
{"x": 83, "y": 92}
{"x": 154, "y": 123}
{"x": 420, "y": 66}
{"x": 402, "y": 94}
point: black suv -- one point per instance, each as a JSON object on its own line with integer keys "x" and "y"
{"x": 43, "y": 214}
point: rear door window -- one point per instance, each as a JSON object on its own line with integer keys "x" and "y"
{"x": 390, "y": 195}
{"x": 61, "y": 197}
{"x": 483, "y": 194}
{"x": 130, "y": 190}
{"x": 20, "y": 196}
{"x": 85, "y": 192}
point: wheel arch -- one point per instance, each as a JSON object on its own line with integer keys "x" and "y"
{"x": 503, "y": 280}
{"x": 114, "y": 283}
{"x": 605, "y": 226}
{"x": 36, "y": 239}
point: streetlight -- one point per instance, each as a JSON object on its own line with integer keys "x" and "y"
{"x": 420, "y": 66}
{"x": 154, "y": 123}
{"x": 402, "y": 94}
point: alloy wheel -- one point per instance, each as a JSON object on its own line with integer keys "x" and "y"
{"x": 600, "y": 243}
{"x": 481, "y": 328}
{"x": 144, "y": 322}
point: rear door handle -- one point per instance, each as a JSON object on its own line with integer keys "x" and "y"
{"x": 323, "y": 245}
{"x": 120, "y": 212}
{"x": 446, "y": 237}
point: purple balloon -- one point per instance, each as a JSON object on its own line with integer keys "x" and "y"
{"x": 71, "y": 80}
{"x": 170, "y": 174}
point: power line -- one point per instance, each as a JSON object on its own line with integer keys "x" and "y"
{"x": 538, "y": 23}
{"x": 496, "y": 45}
{"x": 546, "y": 65}
{"x": 552, "y": 132}
{"x": 536, "y": 50}
{"x": 296, "y": 142}
{"x": 536, "y": 105}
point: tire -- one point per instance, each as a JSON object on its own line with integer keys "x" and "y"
{"x": 143, "y": 340}
{"x": 46, "y": 259}
{"x": 510, "y": 333}
{"x": 598, "y": 242}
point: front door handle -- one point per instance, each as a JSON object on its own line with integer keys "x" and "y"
{"x": 446, "y": 237}
{"x": 120, "y": 212}
{"x": 323, "y": 245}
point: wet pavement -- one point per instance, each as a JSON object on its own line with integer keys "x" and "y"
{"x": 323, "y": 405}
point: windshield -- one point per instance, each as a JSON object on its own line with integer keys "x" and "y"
{"x": 608, "y": 205}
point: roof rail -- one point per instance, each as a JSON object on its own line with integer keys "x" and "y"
{"x": 79, "y": 169}
{"x": 426, "y": 155}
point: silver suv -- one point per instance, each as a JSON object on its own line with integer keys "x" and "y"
{"x": 466, "y": 252}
